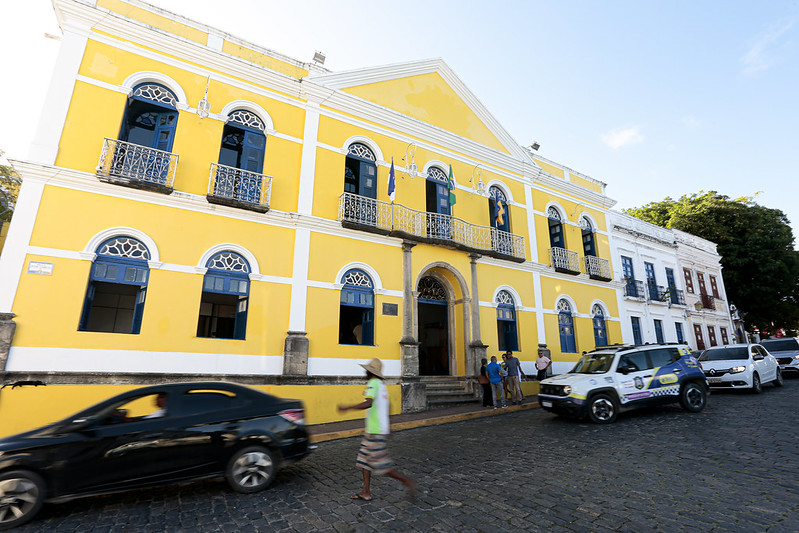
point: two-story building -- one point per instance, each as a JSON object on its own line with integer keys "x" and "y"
{"x": 199, "y": 206}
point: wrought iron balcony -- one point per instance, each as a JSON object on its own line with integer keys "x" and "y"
{"x": 708, "y": 302}
{"x": 676, "y": 296}
{"x": 239, "y": 188}
{"x": 654, "y": 293}
{"x": 634, "y": 288}
{"x": 564, "y": 260}
{"x": 137, "y": 166}
{"x": 597, "y": 268}
{"x": 368, "y": 214}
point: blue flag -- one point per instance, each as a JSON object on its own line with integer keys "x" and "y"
{"x": 391, "y": 183}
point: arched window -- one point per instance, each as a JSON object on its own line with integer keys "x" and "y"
{"x": 507, "y": 331}
{"x": 555, "y": 228}
{"x": 498, "y": 209}
{"x": 151, "y": 118}
{"x": 356, "y": 309}
{"x": 439, "y": 225}
{"x": 589, "y": 244}
{"x": 117, "y": 287}
{"x": 360, "y": 171}
{"x": 600, "y": 332}
{"x": 225, "y": 297}
{"x": 566, "y": 327}
{"x": 241, "y": 158}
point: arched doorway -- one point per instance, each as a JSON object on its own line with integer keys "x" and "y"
{"x": 433, "y": 322}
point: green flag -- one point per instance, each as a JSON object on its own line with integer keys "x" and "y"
{"x": 451, "y": 187}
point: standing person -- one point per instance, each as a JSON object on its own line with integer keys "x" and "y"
{"x": 483, "y": 380}
{"x": 373, "y": 453}
{"x": 495, "y": 378}
{"x": 541, "y": 364}
{"x": 514, "y": 375}
{"x": 503, "y": 366}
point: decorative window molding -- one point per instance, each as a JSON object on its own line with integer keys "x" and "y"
{"x": 431, "y": 289}
{"x": 357, "y": 278}
{"x": 155, "y": 92}
{"x": 361, "y": 151}
{"x": 495, "y": 193}
{"x": 228, "y": 261}
{"x": 156, "y": 77}
{"x": 377, "y": 153}
{"x": 504, "y": 298}
{"x": 554, "y": 214}
{"x": 563, "y": 306}
{"x": 508, "y": 197}
{"x": 377, "y": 283}
{"x": 91, "y": 247}
{"x": 247, "y": 119}
{"x": 258, "y": 111}
{"x": 436, "y": 174}
{"x": 248, "y": 256}
{"x": 124, "y": 247}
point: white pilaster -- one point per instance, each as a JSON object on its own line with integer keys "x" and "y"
{"x": 308, "y": 162}
{"x": 539, "y": 305}
{"x": 12, "y": 261}
{"x": 299, "y": 280}
{"x": 44, "y": 147}
{"x": 528, "y": 201}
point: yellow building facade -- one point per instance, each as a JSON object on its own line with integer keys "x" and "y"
{"x": 200, "y": 207}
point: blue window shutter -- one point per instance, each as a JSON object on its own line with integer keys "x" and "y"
{"x": 556, "y": 235}
{"x": 241, "y": 319}
{"x": 368, "y": 179}
{"x": 138, "y": 310}
{"x": 367, "y": 327}
{"x": 568, "y": 343}
{"x": 600, "y": 332}
{"x": 254, "y": 144}
{"x": 164, "y": 133}
{"x": 588, "y": 243}
{"x": 87, "y": 307}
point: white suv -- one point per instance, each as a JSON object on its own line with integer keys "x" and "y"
{"x": 615, "y": 378}
{"x": 740, "y": 366}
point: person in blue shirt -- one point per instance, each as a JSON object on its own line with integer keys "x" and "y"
{"x": 495, "y": 378}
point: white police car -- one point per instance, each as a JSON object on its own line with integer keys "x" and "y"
{"x": 614, "y": 378}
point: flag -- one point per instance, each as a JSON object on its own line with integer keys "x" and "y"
{"x": 499, "y": 212}
{"x": 391, "y": 183}
{"x": 451, "y": 187}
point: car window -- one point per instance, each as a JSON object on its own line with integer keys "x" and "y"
{"x": 593, "y": 363}
{"x": 760, "y": 350}
{"x": 148, "y": 406}
{"x": 780, "y": 345}
{"x": 663, "y": 356}
{"x": 636, "y": 360}
{"x": 203, "y": 401}
{"x": 725, "y": 354}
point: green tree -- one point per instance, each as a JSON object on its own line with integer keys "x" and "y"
{"x": 756, "y": 244}
{"x": 9, "y": 188}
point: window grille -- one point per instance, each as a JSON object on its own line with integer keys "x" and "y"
{"x": 430, "y": 289}
{"x": 362, "y": 151}
{"x": 125, "y": 247}
{"x": 155, "y": 93}
{"x": 246, "y": 118}
{"x": 436, "y": 174}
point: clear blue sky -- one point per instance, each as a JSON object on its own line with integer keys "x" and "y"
{"x": 655, "y": 98}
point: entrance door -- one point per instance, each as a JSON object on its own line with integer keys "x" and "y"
{"x": 433, "y": 320}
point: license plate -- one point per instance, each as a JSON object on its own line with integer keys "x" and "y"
{"x": 714, "y": 380}
{"x": 546, "y": 404}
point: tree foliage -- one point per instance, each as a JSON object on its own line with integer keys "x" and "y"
{"x": 756, "y": 244}
{"x": 9, "y": 188}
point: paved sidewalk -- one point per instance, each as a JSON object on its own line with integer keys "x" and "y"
{"x": 432, "y": 417}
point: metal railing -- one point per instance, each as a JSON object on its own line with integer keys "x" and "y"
{"x": 708, "y": 302}
{"x": 239, "y": 186}
{"x": 634, "y": 288}
{"x": 390, "y": 218}
{"x": 597, "y": 268}
{"x": 654, "y": 292}
{"x": 564, "y": 260}
{"x": 676, "y": 296}
{"x": 120, "y": 159}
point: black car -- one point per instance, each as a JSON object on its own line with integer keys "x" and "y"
{"x": 150, "y": 436}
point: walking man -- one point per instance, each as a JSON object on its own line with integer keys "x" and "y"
{"x": 373, "y": 454}
{"x": 514, "y": 373}
{"x": 541, "y": 364}
{"x": 495, "y": 378}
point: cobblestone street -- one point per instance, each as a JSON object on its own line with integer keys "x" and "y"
{"x": 732, "y": 467}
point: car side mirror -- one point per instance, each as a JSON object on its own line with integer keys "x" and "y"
{"x": 80, "y": 424}
{"x": 625, "y": 369}
{"x": 757, "y": 357}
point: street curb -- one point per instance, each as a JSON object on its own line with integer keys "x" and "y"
{"x": 423, "y": 422}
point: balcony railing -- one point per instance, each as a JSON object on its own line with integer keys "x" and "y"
{"x": 654, "y": 292}
{"x": 708, "y": 302}
{"x": 597, "y": 268}
{"x": 129, "y": 164}
{"x": 676, "y": 296}
{"x": 239, "y": 188}
{"x": 564, "y": 260}
{"x": 368, "y": 214}
{"x": 634, "y": 288}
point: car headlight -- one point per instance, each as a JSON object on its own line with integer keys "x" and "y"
{"x": 567, "y": 389}
{"x": 796, "y": 356}
{"x": 737, "y": 369}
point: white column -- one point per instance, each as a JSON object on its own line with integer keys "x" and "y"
{"x": 528, "y": 201}
{"x": 539, "y": 305}
{"x": 308, "y": 162}
{"x": 12, "y": 261}
{"x": 299, "y": 280}
{"x": 44, "y": 147}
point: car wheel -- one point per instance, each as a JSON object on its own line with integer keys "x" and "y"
{"x": 693, "y": 397}
{"x": 602, "y": 409}
{"x": 757, "y": 387}
{"x": 251, "y": 469}
{"x": 21, "y": 497}
{"x": 779, "y": 381}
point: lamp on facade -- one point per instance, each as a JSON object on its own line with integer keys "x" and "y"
{"x": 476, "y": 180}
{"x": 203, "y": 107}
{"x": 534, "y": 146}
{"x": 410, "y": 163}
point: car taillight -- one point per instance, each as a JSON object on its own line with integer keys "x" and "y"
{"x": 295, "y": 416}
